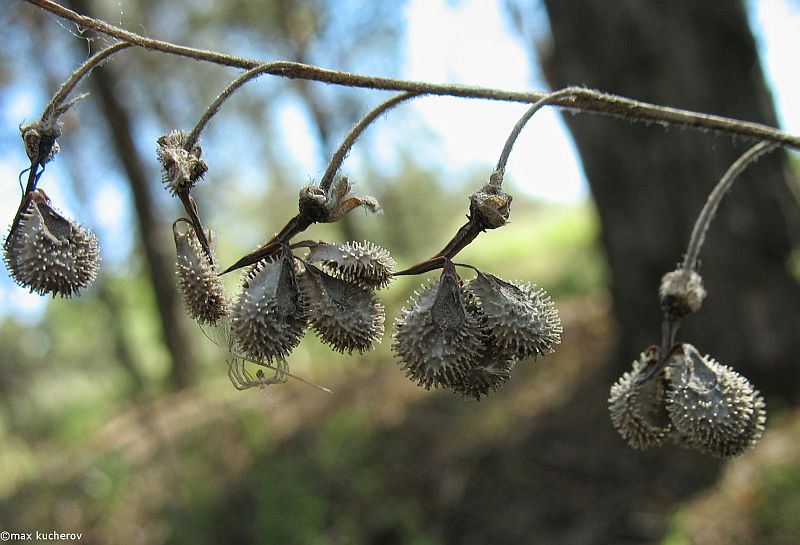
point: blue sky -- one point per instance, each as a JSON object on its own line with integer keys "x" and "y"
{"x": 476, "y": 46}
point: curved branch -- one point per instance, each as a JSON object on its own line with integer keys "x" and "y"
{"x": 709, "y": 210}
{"x": 95, "y": 60}
{"x": 355, "y": 132}
{"x": 588, "y": 101}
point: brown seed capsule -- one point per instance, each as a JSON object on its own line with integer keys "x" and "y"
{"x": 637, "y": 404}
{"x": 40, "y": 140}
{"x": 181, "y": 168}
{"x": 521, "y": 317}
{"x": 332, "y": 205}
{"x": 362, "y": 263}
{"x": 490, "y": 206}
{"x": 345, "y": 316}
{"x": 681, "y": 293}
{"x": 49, "y": 253}
{"x": 714, "y": 408}
{"x": 437, "y": 339}
{"x": 271, "y": 315}
{"x": 203, "y": 292}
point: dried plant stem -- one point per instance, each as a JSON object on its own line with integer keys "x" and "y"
{"x": 512, "y": 137}
{"x": 214, "y": 107}
{"x": 54, "y": 108}
{"x": 709, "y": 210}
{"x": 344, "y": 148}
{"x": 587, "y": 101}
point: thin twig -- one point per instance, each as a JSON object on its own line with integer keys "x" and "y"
{"x": 703, "y": 221}
{"x": 222, "y": 97}
{"x": 538, "y": 105}
{"x": 588, "y": 101}
{"x": 344, "y": 148}
{"x": 92, "y": 62}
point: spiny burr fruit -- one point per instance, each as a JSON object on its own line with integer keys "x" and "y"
{"x": 637, "y": 404}
{"x": 362, "y": 263}
{"x": 48, "y": 253}
{"x": 713, "y": 407}
{"x": 436, "y": 337}
{"x": 346, "y": 316}
{"x": 203, "y": 292}
{"x": 271, "y": 315}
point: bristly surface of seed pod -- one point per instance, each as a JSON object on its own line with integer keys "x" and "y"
{"x": 488, "y": 374}
{"x": 271, "y": 315}
{"x": 346, "y": 316}
{"x": 637, "y": 404}
{"x": 521, "y": 317}
{"x": 48, "y": 253}
{"x": 181, "y": 168}
{"x": 681, "y": 293}
{"x": 203, "y": 292}
{"x": 436, "y": 337}
{"x": 362, "y": 263}
{"x": 714, "y": 408}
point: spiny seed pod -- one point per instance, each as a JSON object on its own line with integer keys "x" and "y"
{"x": 490, "y": 373}
{"x": 181, "y": 168}
{"x": 637, "y": 404}
{"x": 271, "y": 315}
{"x": 40, "y": 140}
{"x": 681, "y": 293}
{"x": 202, "y": 289}
{"x": 436, "y": 337}
{"x": 713, "y": 407}
{"x": 345, "y": 316}
{"x": 49, "y": 253}
{"x": 362, "y": 263}
{"x": 521, "y": 317}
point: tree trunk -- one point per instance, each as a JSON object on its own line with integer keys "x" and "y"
{"x": 158, "y": 259}
{"x": 649, "y": 184}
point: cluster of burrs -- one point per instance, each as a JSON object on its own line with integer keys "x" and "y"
{"x": 468, "y": 336}
{"x": 331, "y": 289}
{"x": 672, "y": 392}
{"x": 45, "y": 251}
{"x": 675, "y": 394}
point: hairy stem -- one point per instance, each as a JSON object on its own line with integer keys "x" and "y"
{"x": 355, "y": 132}
{"x": 588, "y": 101}
{"x": 538, "y": 105}
{"x": 222, "y": 97}
{"x": 95, "y": 60}
{"x": 709, "y": 210}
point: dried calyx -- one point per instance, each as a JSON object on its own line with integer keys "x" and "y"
{"x": 490, "y": 206}
{"x": 202, "y": 289}
{"x": 48, "y": 253}
{"x": 327, "y": 206}
{"x": 181, "y": 167}
{"x": 690, "y": 399}
{"x": 39, "y": 138}
{"x": 681, "y": 293}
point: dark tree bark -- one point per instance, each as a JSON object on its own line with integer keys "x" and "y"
{"x": 649, "y": 184}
